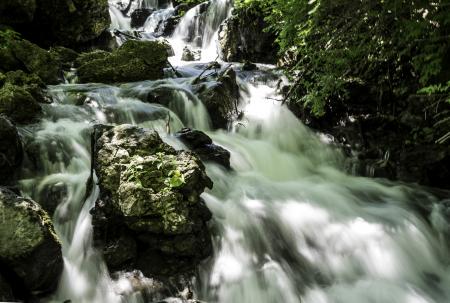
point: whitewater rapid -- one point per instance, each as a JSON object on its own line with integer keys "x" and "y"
{"x": 290, "y": 225}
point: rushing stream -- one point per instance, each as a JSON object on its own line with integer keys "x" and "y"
{"x": 290, "y": 225}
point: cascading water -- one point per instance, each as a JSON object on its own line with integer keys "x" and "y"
{"x": 290, "y": 225}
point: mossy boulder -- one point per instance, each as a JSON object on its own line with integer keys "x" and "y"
{"x": 19, "y": 54}
{"x": 37, "y": 60}
{"x": 150, "y": 199}
{"x": 133, "y": 61}
{"x": 30, "y": 252}
{"x": 11, "y": 153}
{"x": 30, "y": 82}
{"x": 221, "y": 98}
{"x": 14, "y": 12}
{"x": 64, "y": 55}
{"x": 18, "y": 104}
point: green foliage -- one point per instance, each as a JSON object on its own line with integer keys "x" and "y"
{"x": 8, "y": 35}
{"x": 393, "y": 48}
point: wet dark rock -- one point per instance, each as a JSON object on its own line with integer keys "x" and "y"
{"x": 18, "y": 104}
{"x": 242, "y": 37}
{"x": 11, "y": 153}
{"x": 30, "y": 252}
{"x": 201, "y": 144}
{"x": 139, "y": 16}
{"x": 149, "y": 203}
{"x": 190, "y": 54}
{"x": 133, "y": 61}
{"x": 64, "y": 55}
{"x": 6, "y": 293}
{"x": 52, "y": 195}
{"x": 221, "y": 98}
{"x": 425, "y": 164}
{"x": 249, "y": 66}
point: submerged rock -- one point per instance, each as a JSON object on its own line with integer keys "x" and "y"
{"x": 150, "y": 203}
{"x": 30, "y": 251}
{"x": 11, "y": 152}
{"x": 201, "y": 144}
{"x": 221, "y": 98}
{"x": 133, "y": 61}
{"x": 190, "y": 54}
{"x": 18, "y": 104}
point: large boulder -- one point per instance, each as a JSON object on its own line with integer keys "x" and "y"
{"x": 149, "y": 215}
{"x": 29, "y": 82}
{"x": 19, "y": 54}
{"x": 18, "y": 104}
{"x": 11, "y": 153}
{"x": 242, "y": 37}
{"x": 221, "y": 98}
{"x": 133, "y": 61}
{"x": 30, "y": 252}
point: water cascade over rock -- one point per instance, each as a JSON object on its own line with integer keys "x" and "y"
{"x": 125, "y": 155}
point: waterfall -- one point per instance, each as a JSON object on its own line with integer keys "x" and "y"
{"x": 289, "y": 224}
{"x": 200, "y": 25}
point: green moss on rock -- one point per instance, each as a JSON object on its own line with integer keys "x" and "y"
{"x": 28, "y": 243}
{"x": 30, "y": 82}
{"x": 133, "y": 61}
{"x": 149, "y": 195}
{"x": 18, "y": 104}
{"x": 19, "y": 54}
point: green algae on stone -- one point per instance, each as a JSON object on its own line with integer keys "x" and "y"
{"x": 150, "y": 196}
{"x": 133, "y": 61}
{"x": 37, "y": 60}
{"x": 29, "y": 246}
{"x": 18, "y": 104}
{"x": 19, "y": 54}
{"x": 32, "y": 83}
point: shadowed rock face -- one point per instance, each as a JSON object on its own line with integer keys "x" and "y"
{"x": 242, "y": 37}
{"x": 133, "y": 61}
{"x": 201, "y": 144}
{"x": 221, "y": 98}
{"x": 10, "y": 151}
{"x": 50, "y": 22}
{"x": 30, "y": 252}
{"x": 149, "y": 215}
